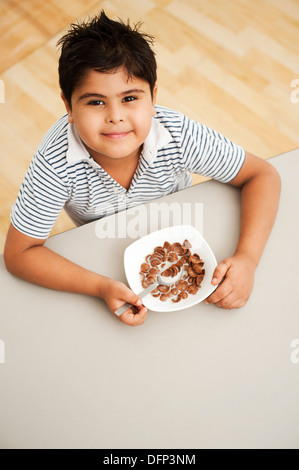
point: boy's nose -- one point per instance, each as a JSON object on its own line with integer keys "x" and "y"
{"x": 114, "y": 115}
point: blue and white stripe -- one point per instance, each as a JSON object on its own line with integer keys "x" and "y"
{"x": 63, "y": 174}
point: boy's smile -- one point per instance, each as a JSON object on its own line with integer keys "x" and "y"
{"x": 112, "y": 114}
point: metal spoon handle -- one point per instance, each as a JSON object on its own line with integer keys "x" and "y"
{"x": 122, "y": 309}
{"x": 142, "y": 294}
{"x": 147, "y": 291}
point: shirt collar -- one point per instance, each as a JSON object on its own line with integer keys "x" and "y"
{"x": 76, "y": 151}
{"x": 158, "y": 137}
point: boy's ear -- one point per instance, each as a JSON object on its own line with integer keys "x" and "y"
{"x": 68, "y": 109}
{"x": 154, "y": 98}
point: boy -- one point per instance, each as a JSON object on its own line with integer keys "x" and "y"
{"x": 115, "y": 145}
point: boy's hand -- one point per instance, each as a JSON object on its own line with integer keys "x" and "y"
{"x": 237, "y": 273}
{"x": 116, "y": 294}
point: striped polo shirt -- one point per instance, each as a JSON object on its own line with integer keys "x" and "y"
{"x": 62, "y": 174}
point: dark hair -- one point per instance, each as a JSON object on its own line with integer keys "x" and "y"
{"x": 104, "y": 45}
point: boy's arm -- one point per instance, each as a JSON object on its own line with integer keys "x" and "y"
{"x": 28, "y": 258}
{"x": 260, "y": 185}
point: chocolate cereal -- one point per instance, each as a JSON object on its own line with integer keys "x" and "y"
{"x": 168, "y": 260}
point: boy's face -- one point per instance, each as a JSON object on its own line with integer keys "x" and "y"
{"x": 112, "y": 114}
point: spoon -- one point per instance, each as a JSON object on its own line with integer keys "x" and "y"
{"x": 160, "y": 281}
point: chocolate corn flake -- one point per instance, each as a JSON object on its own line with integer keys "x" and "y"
{"x": 169, "y": 260}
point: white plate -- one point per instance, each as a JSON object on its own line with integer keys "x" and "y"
{"x": 135, "y": 255}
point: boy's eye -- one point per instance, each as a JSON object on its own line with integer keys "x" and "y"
{"x": 129, "y": 98}
{"x": 96, "y": 102}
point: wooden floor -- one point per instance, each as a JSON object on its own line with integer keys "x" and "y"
{"x": 228, "y": 64}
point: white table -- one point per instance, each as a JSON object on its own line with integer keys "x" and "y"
{"x": 76, "y": 377}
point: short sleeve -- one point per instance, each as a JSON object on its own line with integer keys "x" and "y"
{"x": 41, "y": 198}
{"x": 209, "y": 153}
